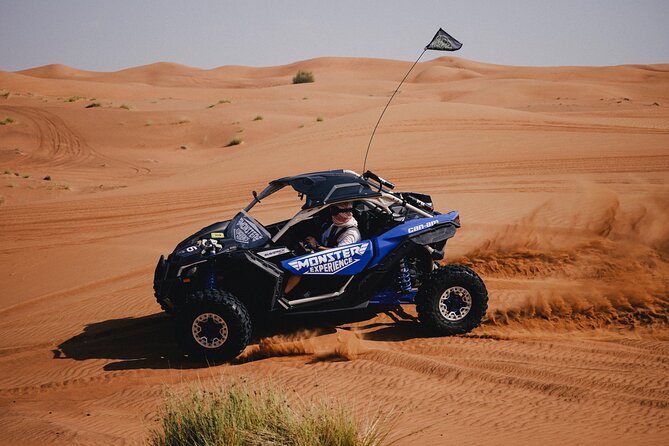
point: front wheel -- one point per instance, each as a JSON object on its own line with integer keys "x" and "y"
{"x": 214, "y": 326}
{"x": 453, "y": 300}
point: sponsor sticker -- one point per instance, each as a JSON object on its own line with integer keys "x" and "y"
{"x": 273, "y": 252}
{"x": 217, "y": 235}
{"x": 246, "y": 232}
{"x": 331, "y": 261}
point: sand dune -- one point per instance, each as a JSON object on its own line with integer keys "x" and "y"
{"x": 560, "y": 175}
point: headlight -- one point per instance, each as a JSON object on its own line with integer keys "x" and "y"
{"x": 189, "y": 272}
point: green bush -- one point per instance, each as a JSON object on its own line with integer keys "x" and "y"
{"x": 242, "y": 414}
{"x": 303, "y": 77}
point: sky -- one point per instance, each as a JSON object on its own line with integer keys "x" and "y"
{"x": 115, "y": 34}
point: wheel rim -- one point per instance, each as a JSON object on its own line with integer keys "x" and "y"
{"x": 455, "y": 303}
{"x": 209, "y": 330}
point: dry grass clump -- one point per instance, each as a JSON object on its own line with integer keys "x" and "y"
{"x": 220, "y": 101}
{"x": 242, "y": 414}
{"x": 237, "y": 140}
{"x": 258, "y": 118}
{"x": 7, "y": 120}
{"x": 124, "y": 106}
{"x": 94, "y": 105}
{"x": 303, "y": 77}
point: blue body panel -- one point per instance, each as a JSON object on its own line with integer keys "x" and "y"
{"x": 342, "y": 261}
{"x": 393, "y": 297}
{"x": 352, "y": 259}
{"x": 386, "y": 242}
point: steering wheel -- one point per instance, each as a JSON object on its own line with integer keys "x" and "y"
{"x": 306, "y": 247}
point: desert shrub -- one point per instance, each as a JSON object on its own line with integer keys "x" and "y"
{"x": 124, "y": 106}
{"x": 7, "y": 120}
{"x": 242, "y": 414}
{"x": 303, "y": 77}
{"x": 72, "y": 99}
{"x": 220, "y": 101}
{"x": 93, "y": 105}
{"x": 258, "y": 118}
{"x": 235, "y": 141}
{"x": 319, "y": 119}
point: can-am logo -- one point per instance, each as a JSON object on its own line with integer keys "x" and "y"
{"x": 422, "y": 226}
{"x": 331, "y": 261}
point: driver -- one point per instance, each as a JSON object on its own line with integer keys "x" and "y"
{"x": 342, "y": 231}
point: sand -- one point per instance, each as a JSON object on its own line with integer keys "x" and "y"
{"x": 561, "y": 176}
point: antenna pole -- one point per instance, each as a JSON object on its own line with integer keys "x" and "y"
{"x": 386, "y": 107}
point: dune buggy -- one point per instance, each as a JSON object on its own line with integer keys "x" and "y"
{"x": 230, "y": 275}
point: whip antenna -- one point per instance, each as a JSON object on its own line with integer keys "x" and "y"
{"x": 441, "y": 41}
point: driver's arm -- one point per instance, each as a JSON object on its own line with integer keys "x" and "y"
{"x": 315, "y": 245}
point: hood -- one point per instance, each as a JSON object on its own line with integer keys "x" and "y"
{"x": 205, "y": 232}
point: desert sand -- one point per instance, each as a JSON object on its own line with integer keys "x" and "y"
{"x": 561, "y": 176}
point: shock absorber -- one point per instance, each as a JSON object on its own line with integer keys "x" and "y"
{"x": 211, "y": 277}
{"x": 404, "y": 276}
{"x": 211, "y": 282}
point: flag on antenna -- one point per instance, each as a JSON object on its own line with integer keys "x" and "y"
{"x": 442, "y": 41}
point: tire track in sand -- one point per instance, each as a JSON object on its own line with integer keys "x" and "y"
{"x": 60, "y": 146}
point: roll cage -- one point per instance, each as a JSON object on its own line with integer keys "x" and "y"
{"x": 323, "y": 189}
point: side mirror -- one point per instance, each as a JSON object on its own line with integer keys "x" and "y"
{"x": 255, "y": 196}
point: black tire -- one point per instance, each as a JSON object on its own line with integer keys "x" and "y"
{"x": 164, "y": 307}
{"x": 453, "y": 300}
{"x": 221, "y": 319}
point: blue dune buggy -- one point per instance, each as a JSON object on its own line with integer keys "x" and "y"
{"x": 230, "y": 275}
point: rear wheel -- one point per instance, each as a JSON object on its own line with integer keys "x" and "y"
{"x": 453, "y": 300}
{"x": 215, "y": 326}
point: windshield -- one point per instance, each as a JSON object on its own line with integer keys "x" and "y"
{"x": 279, "y": 206}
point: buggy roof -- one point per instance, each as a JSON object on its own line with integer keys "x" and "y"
{"x": 328, "y": 187}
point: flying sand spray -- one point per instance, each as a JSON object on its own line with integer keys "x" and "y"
{"x": 441, "y": 41}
